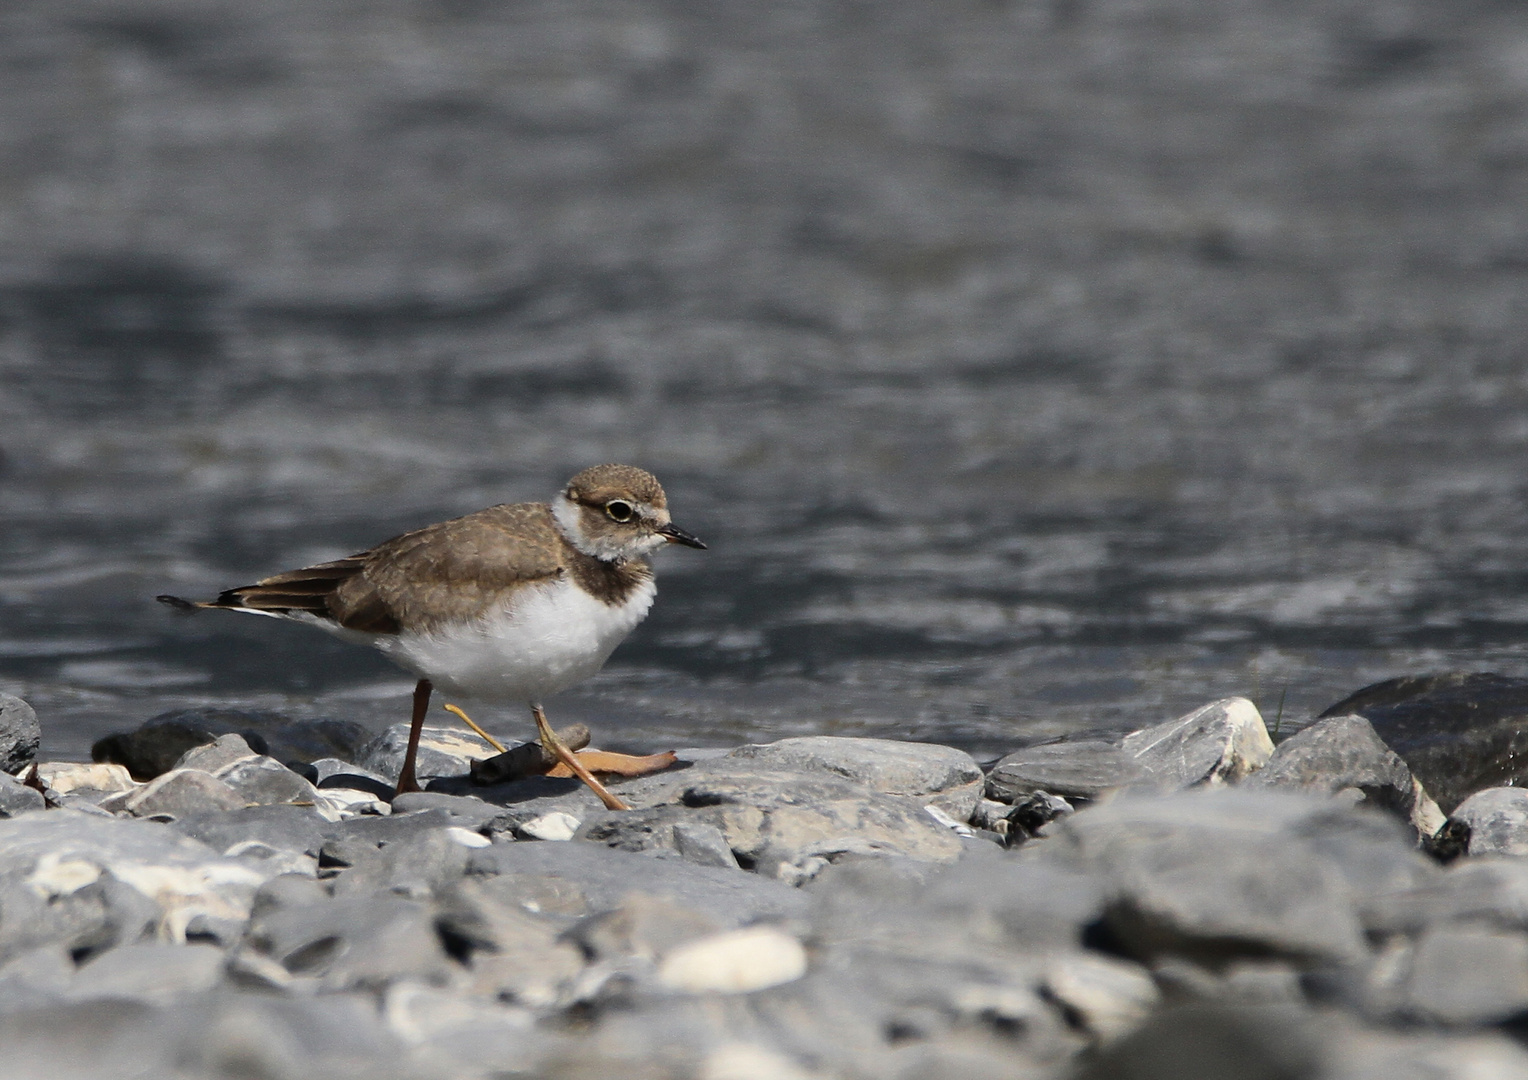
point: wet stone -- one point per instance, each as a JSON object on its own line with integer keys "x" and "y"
{"x": 1083, "y": 769}
{"x": 1458, "y": 732}
{"x": 20, "y": 734}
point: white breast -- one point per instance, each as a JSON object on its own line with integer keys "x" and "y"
{"x": 548, "y": 638}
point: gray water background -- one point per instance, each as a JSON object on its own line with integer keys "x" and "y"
{"x": 1030, "y": 367}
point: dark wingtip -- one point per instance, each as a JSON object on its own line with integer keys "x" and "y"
{"x": 177, "y": 603}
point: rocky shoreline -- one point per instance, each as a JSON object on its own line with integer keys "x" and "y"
{"x": 230, "y": 894}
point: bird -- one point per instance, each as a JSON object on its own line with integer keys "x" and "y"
{"x": 512, "y": 603}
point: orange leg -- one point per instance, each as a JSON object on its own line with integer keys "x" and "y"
{"x": 406, "y": 781}
{"x": 564, "y": 755}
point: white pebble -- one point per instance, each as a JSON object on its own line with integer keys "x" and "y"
{"x": 558, "y": 825}
{"x": 735, "y": 962}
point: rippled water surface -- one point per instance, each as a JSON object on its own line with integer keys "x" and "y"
{"x": 1028, "y": 371}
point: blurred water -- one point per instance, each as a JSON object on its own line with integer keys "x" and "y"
{"x": 1029, "y": 369}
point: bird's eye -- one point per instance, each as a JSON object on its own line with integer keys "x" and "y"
{"x": 618, "y": 510}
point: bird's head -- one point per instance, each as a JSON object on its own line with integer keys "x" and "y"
{"x": 617, "y": 512}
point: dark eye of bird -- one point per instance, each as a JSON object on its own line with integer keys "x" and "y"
{"x": 618, "y": 510}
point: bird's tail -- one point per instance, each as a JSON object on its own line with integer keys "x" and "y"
{"x": 184, "y": 606}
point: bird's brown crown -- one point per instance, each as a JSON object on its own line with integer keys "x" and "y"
{"x": 599, "y": 484}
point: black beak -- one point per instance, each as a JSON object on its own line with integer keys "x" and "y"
{"x": 675, "y": 535}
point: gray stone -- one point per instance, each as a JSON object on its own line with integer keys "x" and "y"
{"x": 1083, "y": 769}
{"x": 466, "y": 811}
{"x": 18, "y": 798}
{"x": 1497, "y": 820}
{"x": 151, "y": 972}
{"x": 264, "y": 781}
{"x": 941, "y": 775}
{"x": 36, "y": 976}
{"x": 785, "y": 824}
{"x": 1000, "y": 908}
{"x": 93, "y": 881}
{"x": 1492, "y": 892}
{"x": 175, "y": 794}
{"x": 1458, "y": 732}
{"x": 310, "y": 741}
{"x": 511, "y": 953}
{"x": 443, "y": 751}
{"x": 297, "y": 829}
{"x": 1216, "y": 743}
{"x": 1468, "y": 975}
{"x": 210, "y": 757}
{"x": 1343, "y": 753}
{"x": 647, "y": 927}
{"x": 1109, "y": 998}
{"x": 1217, "y": 875}
{"x": 20, "y": 734}
{"x": 705, "y": 845}
{"x": 161, "y": 740}
{"x": 1215, "y": 1042}
{"x": 603, "y": 877}
{"x": 414, "y": 867}
{"x": 364, "y": 941}
{"x": 336, "y": 773}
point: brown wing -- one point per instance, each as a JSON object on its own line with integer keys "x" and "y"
{"x": 452, "y": 570}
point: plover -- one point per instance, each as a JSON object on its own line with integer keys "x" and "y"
{"x": 512, "y": 603}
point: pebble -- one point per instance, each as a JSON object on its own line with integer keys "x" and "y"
{"x": 557, "y": 825}
{"x": 776, "y": 910}
{"x": 736, "y": 962}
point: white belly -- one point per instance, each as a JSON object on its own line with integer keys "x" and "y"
{"x": 549, "y": 638}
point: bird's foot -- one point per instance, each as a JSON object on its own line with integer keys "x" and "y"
{"x": 564, "y": 755}
{"x": 613, "y": 764}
